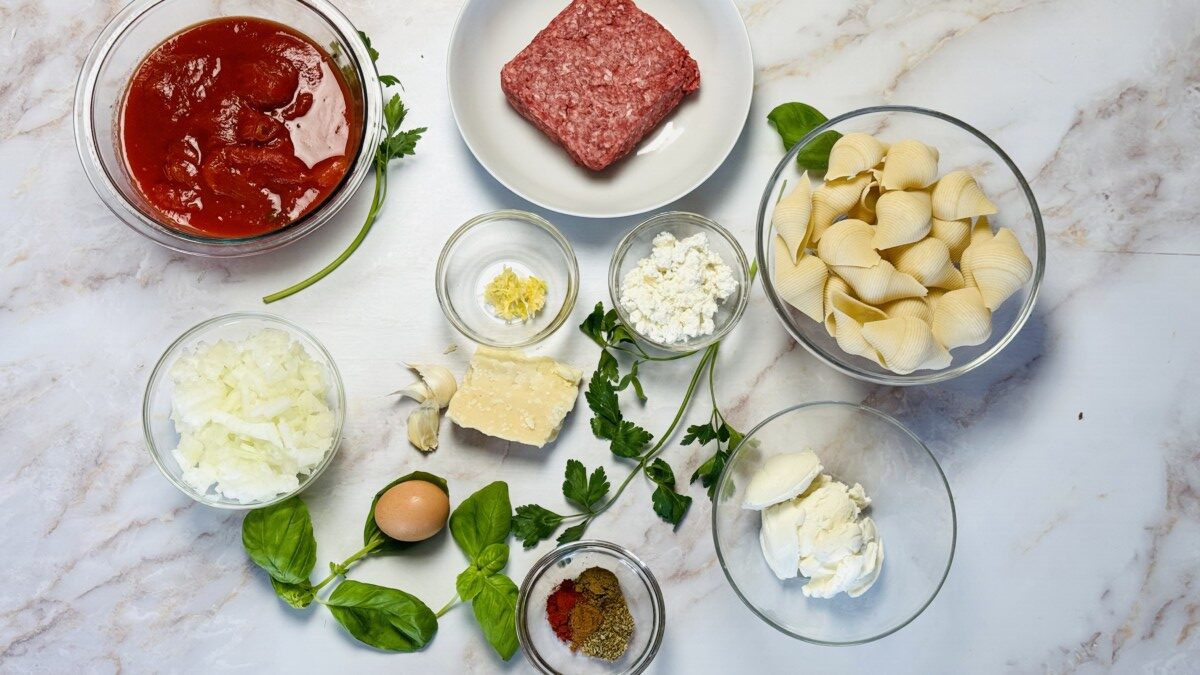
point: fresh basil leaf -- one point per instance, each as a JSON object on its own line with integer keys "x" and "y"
{"x": 492, "y": 559}
{"x": 297, "y": 595}
{"x": 483, "y": 518}
{"x": 670, "y": 505}
{"x": 385, "y": 618}
{"x": 660, "y": 472}
{"x": 469, "y": 583}
{"x": 573, "y": 533}
{"x": 629, "y": 440}
{"x": 495, "y": 610}
{"x": 371, "y": 532}
{"x": 279, "y": 539}
{"x": 534, "y": 523}
{"x": 794, "y": 121}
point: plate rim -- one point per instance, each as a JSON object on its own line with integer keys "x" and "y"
{"x": 570, "y": 211}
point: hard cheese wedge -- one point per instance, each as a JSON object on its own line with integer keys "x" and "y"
{"x": 508, "y": 395}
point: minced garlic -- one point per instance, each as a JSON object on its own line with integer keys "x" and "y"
{"x": 512, "y": 297}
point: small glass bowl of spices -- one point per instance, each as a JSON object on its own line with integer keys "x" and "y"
{"x": 507, "y": 279}
{"x": 590, "y": 607}
{"x": 680, "y": 281}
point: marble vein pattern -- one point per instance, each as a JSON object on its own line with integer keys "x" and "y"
{"x": 1074, "y": 456}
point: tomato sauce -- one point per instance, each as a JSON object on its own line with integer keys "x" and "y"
{"x": 237, "y": 127}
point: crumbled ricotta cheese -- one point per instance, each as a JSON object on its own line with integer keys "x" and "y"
{"x": 672, "y": 294}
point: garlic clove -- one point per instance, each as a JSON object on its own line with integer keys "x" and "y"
{"x": 423, "y": 425}
{"x": 417, "y": 391}
{"x": 438, "y": 379}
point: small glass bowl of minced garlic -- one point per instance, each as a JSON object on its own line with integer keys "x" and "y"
{"x": 590, "y": 607}
{"x": 507, "y": 279}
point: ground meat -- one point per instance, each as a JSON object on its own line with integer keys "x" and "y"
{"x": 599, "y": 78}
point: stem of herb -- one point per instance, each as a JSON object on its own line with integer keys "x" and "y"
{"x": 706, "y": 360}
{"x": 376, "y": 206}
{"x": 449, "y": 605}
{"x": 361, "y": 553}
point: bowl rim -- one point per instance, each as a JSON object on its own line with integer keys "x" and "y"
{"x": 725, "y": 473}
{"x": 99, "y": 175}
{"x": 441, "y": 282}
{"x": 548, "y": 560}
{"x": 199, "y": 329}
{"x": 919, "y": 377}
{"x": 710, "y": 226}
{"x": 748, "y": 96}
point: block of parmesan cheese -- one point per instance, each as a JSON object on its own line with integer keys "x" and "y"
{"x": 518, "y": 398}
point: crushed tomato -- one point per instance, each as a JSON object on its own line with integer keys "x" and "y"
{"x": 237, "y": 127}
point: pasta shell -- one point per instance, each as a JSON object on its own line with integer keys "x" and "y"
{"x": 833, "y": 285}
{"x": 928, "y": 261}
{"x": 849, "y": 316}
{"x": 915, "y": 307}
{"x": 864, "y": 210}
{"x": 791, "y": 217}
{"x": 935, "y": 296}
{"x": 905, "y": 344}
{"x": 834, "y": 199}
{"x": 853, "y": 154}
{"x": 848, "y": 242}
{"x": 801, "y": 284}
{"x": 961, "y": 319}
{"x": 956, "y": 234}
{"x": 997, "y": 267}
{"x": 980, "y": 232}
{"x": 903, "y": 218}
{"x": 880, "y": 283}
{"x": 957, "y": 196}
{"x": 909, "y": 165}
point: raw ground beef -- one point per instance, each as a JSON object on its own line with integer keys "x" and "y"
{"x": 599, "y": 78}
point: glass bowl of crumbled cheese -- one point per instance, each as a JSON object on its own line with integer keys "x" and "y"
{"x": 243, "y": 411}
{"x": 680, "y": 281}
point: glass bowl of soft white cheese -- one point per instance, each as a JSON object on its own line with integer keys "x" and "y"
{"x": 244, "y": 410}
{"x": 679, "y": 281}
{"x": 834, "y": 523}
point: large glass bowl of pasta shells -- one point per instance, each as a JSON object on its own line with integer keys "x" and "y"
{"x": 900, "y": 245}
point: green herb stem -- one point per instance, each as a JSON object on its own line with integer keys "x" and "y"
{"x": 449, "y": 605}
{"x": 376, "y": 207}
{"x": 361, "y": 553}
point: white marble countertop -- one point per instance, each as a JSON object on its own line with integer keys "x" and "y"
{"x": 1074, "y": 457}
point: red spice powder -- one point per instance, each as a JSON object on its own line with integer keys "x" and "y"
{"x": 559, "y": 606}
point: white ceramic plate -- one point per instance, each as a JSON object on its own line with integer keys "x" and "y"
{"x": 685, "y": 149}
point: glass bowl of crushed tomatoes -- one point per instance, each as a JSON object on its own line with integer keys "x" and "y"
{"x": 543, "y": 626}
{"x": 228, "y": 129}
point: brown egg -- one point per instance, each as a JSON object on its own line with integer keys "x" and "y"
{"x": 414, "y": 510}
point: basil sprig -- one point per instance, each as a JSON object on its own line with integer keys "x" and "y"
{"x": 480, "y": 526}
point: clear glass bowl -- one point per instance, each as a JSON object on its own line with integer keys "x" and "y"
{"x": 549, "y": 654}
{"x": 640, "y": 241}
{"x": 140, "y": 27}
{"x": 961, "y": 147}
{"x": 159, "y": 430}
{"x": 481, "y": 249}
{"x": 912, "y": 507}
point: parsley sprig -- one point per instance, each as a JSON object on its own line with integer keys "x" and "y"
{"x": 396, "y": 143}
{"x": 627, "y": 440}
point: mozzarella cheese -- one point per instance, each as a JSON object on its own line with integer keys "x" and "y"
{"x": 518, "y": 398}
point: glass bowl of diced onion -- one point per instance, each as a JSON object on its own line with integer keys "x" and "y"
{"x": 246, "y": 405}
{"x": 960, "y": 147}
